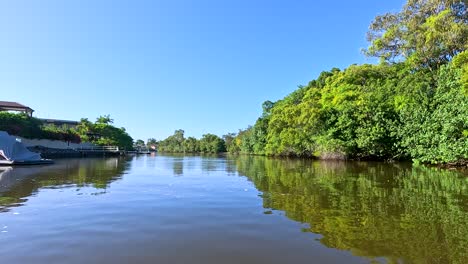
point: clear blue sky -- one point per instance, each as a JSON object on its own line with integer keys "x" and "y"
{"x": 157, "y": 66}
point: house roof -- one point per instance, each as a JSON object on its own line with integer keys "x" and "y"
{"x": 13, "y": 105}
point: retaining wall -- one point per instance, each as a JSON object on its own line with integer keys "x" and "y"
{"x": 55, "y": 144}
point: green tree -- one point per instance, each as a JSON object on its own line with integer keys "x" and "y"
{"x": 85, "y": 128}
{"x": 211, "y": 143}
{"x": 230, "y": 142}
{"x": 112, "y": 136}
{"x": 105, "y": 119}
{"x": 173, "y": 143}
{"x": 191, "y": 145}
{"x": 428, "y": 33}
{"x": 435, "y": 124}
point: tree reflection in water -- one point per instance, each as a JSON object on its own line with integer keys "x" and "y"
{"x": 414, "y": 214}
{"x": 396, "y": 211}
{"x": 20, "y": 182}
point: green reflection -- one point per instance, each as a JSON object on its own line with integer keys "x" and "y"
{"x": 178, "y": 166}
{"x": 403, "y": 213}
{"x": 18, "y": 183}
{"x": 179, "y": 162}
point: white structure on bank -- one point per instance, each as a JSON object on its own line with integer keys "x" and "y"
{"x": 12, "y": 150}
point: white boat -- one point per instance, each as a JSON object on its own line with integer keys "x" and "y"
{"x": 13, "y": 152}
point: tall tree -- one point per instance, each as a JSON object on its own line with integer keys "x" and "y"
{"x": 211, "y": 143}
{"x": 428, "y": 33}
{"x": 105, "y": 119}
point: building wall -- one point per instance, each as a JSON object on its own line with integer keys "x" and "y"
{"x": 57, "y": 144}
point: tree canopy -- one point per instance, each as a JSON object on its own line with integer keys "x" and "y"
{"x": 177, "y": 143}
{"x": 426, "y": 33}
{"x": 102, "y": 132}
{"x": 413, "y": 105}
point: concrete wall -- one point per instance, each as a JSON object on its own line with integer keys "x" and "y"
{"x": 57, "y": 144}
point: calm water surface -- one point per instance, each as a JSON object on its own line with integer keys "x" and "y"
{"x": 176, "y": 209}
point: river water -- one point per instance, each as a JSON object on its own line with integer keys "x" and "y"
{"x": 215, "y": 209}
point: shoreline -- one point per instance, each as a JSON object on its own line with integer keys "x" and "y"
{"x": 461, "y": 164}
{"x": 53, "y": 153}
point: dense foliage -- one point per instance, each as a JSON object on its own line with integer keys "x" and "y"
{"x": 427, "y": 33}
{"x": 177, "y": 143}
{"x": 29, "y": 127}
{"x": 412, "y": 105}
{"x": 102, "y": 132}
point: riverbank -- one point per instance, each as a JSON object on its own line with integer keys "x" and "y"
{"x": 452, "y": 165}
{"x": 53, "y": 153}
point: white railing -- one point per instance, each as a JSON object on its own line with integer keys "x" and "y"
{"x": 99, "y": 149}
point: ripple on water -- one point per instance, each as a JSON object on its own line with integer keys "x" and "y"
{"x": 244, "y": 209}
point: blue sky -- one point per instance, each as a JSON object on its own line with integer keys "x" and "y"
{"x": 157, "y": 66}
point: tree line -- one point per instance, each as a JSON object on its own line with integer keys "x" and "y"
{"x": 412, "y": 105}
{"x": 178, "y": 143}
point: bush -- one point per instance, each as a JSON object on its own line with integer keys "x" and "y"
{"x": 29, "y": 127}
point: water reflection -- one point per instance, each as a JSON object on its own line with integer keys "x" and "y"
{"x": 178, "y": 166}
{"x": 391, "y": 212}
{"x": 207, "y": 163}
{"x": 16, "y": 184}
{"x": 403, "y": 213}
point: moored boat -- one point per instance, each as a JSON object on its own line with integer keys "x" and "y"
{"x": 13, "y": 153}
